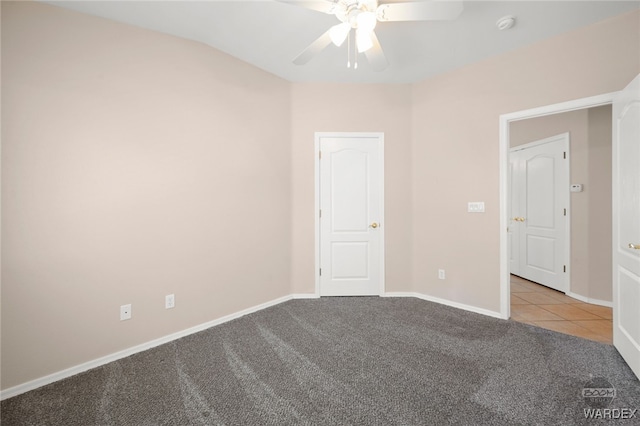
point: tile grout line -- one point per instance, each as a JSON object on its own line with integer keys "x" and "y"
{"x": 596, "y": 333}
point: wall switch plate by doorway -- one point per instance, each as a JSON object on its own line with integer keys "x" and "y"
{"x": 475, "y": 207}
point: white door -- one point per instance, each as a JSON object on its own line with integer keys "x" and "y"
{"x": 539, "y": 209}
{"x": 351, "y": 227}
{"x": 514, "y": 209}
{"x": 626, "y": 224}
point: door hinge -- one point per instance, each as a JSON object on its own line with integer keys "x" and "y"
{"x": 319, "y": 155}
{"x": 564, "y": 268}
{"x": 564, "y": 155}
{"x": 565, "y": 212}
{"x": 320, "y": 213}
{"x": 320, "y": 271}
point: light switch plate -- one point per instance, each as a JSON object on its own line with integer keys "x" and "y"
{"x": 476, "y": 207}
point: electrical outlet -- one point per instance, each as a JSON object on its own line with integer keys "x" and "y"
{"x": 441, "y": 274}
{"x": 169, "y": 301}
{"x": 125, "y": 312}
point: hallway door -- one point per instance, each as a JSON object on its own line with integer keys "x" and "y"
{"x": 539, "y": 191}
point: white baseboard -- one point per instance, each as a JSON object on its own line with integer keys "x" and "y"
{"x": 589, "y": 300}
{"x": 34, "y": 384}
{"x": 60, "y": 375}
{"x": 446, "y": 302}
{"x": 305, "y": 296}
{"x": 400, "y": 294}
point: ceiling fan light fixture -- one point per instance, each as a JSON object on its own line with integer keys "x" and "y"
{"x": 362, "y": 16}
{"x": 339, "y": 33}
{"x": 366, "y": 21}
{"x": 363, "y": 40}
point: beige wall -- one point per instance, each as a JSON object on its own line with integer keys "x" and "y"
{"x": 590, "y": 136}
{"x": 600, "y": 220}
{"x": 455, "y": 149}
{"x": 134, "y": 165}
{"x": 137, "y": 164}
{"x": 353, "y": 108}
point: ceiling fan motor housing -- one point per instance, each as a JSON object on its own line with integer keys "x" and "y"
{"x": 352, "y": 11}
{"x": 362, "y": 16}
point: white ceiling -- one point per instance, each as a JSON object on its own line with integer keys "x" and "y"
{"x": 269, "y": 34}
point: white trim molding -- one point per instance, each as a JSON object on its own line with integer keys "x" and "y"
{"x": 446, "y": 302}
{"x": 305, "y": 296}
{"x": 590, "y": 300}
{"x": 60, "y": 375}
{"x": 72, "y": 371}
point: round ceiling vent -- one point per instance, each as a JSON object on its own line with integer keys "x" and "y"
{"x": 506, "y": 22}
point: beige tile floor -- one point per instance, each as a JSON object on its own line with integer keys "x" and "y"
{"x": 541, "y": 306}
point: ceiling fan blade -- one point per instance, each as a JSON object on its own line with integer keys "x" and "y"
{"x": 325, "y": 6}
{"x": 314, "y": 48}
{"x": 375, "y": 55}
{"x": 423, "y": 10}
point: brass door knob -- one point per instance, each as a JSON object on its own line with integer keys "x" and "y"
{"x": 634, "y": 246}
{"x": 374, "y": 225}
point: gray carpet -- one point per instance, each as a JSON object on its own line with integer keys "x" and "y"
{"x": 338, "y": 361}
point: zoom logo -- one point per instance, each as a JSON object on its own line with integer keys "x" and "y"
{"x": 598, "y": 392}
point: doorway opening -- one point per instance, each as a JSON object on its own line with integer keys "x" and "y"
{"x": 509, "y": 124}
{"x": 562, "y": 281}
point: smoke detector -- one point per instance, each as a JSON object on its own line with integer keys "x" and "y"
{"x": 506, "y": 22}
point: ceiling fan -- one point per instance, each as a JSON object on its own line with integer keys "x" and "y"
{"x": 361, "y": 16}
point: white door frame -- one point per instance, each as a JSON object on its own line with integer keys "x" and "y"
{"x": 505, "y": 120}
{"x": 565, "y": 139}
{"x": 316, "y": 213}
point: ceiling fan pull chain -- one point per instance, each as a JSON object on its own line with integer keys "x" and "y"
{"x": 355, "y": 54}
{"x": 349, "y": 49}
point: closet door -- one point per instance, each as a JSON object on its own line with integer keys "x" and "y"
{"x": 540, "y": 203}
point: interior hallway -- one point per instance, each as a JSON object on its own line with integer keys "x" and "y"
{"x": 541, "y": 306}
